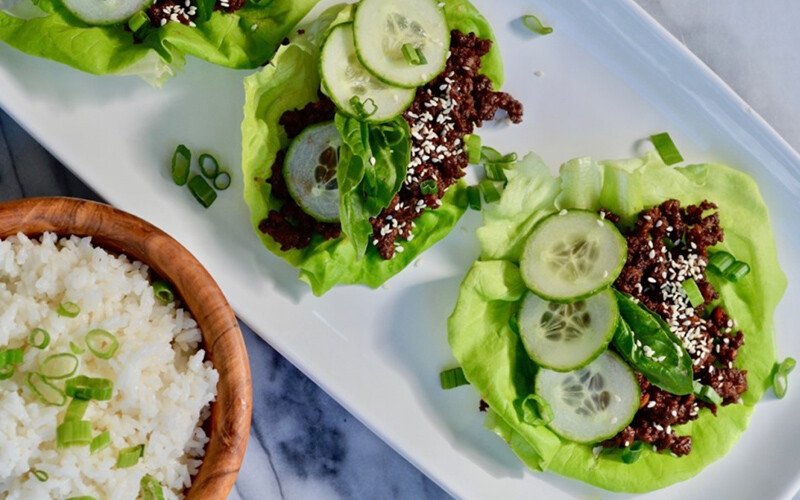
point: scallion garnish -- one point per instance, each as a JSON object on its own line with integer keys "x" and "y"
{"x": 40, "y": 475}
{"x": 181, "y": 164}
{"x": 76, "y": 349}
{"x": 76, "y": 409}
{"x": 202, "y": 192}
{"x": 100, "y": 442}
{"x": 128, "y": 457}
{"x": 7, "y": 371}
{"x": 474, "y": 197}
{"x": 414, "y": 55}
{"x": 707, "y": 393}
{"x": 473, "y": 144}
{"x": 454, "y": 377}
{"x": 491, "y": 155}
{"x": 429, "y": 187}
{"x": 82, "y": 497}
{"x": 693, "y": 292}
{"x": 74, "y": 433}
{"x": 58, "y": 366}
{"x": 163, "y": 292}
{"x": 737, "y": 271}
{"x": 495, "y": 172}
{"x": 534, "y": 24}
{"x": 489, "y": 190}
{"x": 780, "y": 379}
{"x": 209, "y": 166}
{"x": 632, "y": 453}
{"x": 150, "y": 488}
{"x": 11, "y": 356}
{"x": 222, "y": 181}
{"x": 102, "y": 343}
{"x": 720, "y": 262}
{"x": 68, "y": 309}
{"x": 137, "y": 21}
{"x": 39, "y": 338}
{"x": 666, "y": 148}
{"x": 44, "y": 390}
{"x": 361, "y": 107}
{"x": 83, "y": 387}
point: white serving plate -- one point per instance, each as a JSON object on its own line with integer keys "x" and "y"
{"x": 608, "y": 76}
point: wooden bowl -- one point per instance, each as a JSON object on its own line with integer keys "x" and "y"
{"x": 121, "y": 232}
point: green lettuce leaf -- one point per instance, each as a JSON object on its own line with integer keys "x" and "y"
{"x": 291, "y": 81}
{"x": 494, "y": 360}
{"x": 244, "y": 39}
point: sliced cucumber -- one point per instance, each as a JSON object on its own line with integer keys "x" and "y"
{"x": 572, "y": 255}
{"x": 310, "y": 171}
{"x": 344, "y": 77}
{"x": 566, "y": 337}
{"x": 104, "y": 12}
{"x": 593, "y": 403}
{"x": 383, "y": 27}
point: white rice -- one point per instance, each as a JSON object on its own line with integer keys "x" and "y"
{"x": 162, "y": 386}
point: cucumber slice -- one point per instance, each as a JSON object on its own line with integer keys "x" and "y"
{"x": 104, "y": 12}
{"x": 310, "y": 171}
{"x": 383, "y": 27}
{"x": 572, "y": 255}
{"x": 591, "y": 404}
{"x": 566, "y": 337}
{"x": 344, "y": 77}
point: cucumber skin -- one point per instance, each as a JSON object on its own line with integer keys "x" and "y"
{"x": 612, "y": 275}
{"x": 600, "y": 349}
{"x": 623, "y": 423}
{"x": 345, "y": 109}
{"x": 387, "y": 81}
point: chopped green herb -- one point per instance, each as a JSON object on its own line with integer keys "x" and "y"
{"x": 473, "y": 144}
{"x": 706, "y": 393}
{"x": 138, "y": 21}
{"x": 150, "y": 488}
{"x": 11, "y": 356}
{"x": 163, "y": 292}
{"x": 720, "y": 262}
{"x": 74, "y": 433}
{"x": 128, "y": 457}
{"x": 534, "y": 24}
{"x": 181, "y": 164}
{"x": 68, "y": 310}
{"x": 413, "y": 55}
{"x": 474, "y": 197}
{"x": 454, "y": 377}
{"x": 100, "y": 442}
{"x": 361, "y": 107}
{"x": 666, "y": 148}
{"x": 102, "y": 343}
{"x": 495, "y": 172}
{"x": 76, "y": 349}
{"x": 489, "y": 190}
{"x": 76, "y": 409}
{"x": 48, "y": 393}
{"x": 780, "y": 378}
{"x": 58, "y": 366}
{"x": 83, "y": 387}
{"x": 693, "y": 292}
{"x": 202, "y": 192}
{"x": 39, "y": 338}
{"x": 222, "y": 181}
{"x": 40, "y": 475}
{"x": 209, "y": 166}
{"x": 429, "y": 187}
{"x": 737, "y": 271}
{"x": 632, "y": 453}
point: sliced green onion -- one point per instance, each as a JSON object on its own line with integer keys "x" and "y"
{"x": 44, "y": 390}
{"x": 128, "y": 457}
{"x": 720, "y": 262}
{"x": 222, "y": 181}
{"x": 454, "y": 377}
{"x": 534, "y": 24}
{"x": 361, "y": 108}
{"x": 632, "y": 453}
{"x": 40, "y": 475}
{"x": 83, "y": 387}
{"x": 82, "y": 497}
{"x": 11, "y": 356}
{"x": 533, "y": 410}
{"x": 7, "y": 371}
{"x": 76, "y": 409}
{"x": 737, "y": 271}
{"x": 137, "y": 21}
{"x": 102, "y": 343}
{"x": 780, "y": 380}
{"x": 209, "y": 165}
{"x": 491, "y": 155}
{"x": 489, "y": 190}
{"x": 181, "y": 164}
{"x": 150, "y": 488}
{"x": 163, "y": 292}
{"x": 76, "y": 349}
{"x": 413, "y": 55}
{"x": 39, "y": 338}
{"x": 666, "y": 148}
{"x": 202, "y": 192}
{"x": 100, "y": 442}
{"x": 693, "y": 292}
{"x": 74, "y": 433}
{"x": 473, "y": 144}
{"x": 428, "y": 187}
{"x": 706, "y": 393}
{"x": 474, "y": 197}
{"x": 68, "y": 309}
{"x": 57, "y": 366}
{"x": 495, "y": 172}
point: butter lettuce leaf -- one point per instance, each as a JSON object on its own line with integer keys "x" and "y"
{"x": 291, "y": 81}
{"x": 494, "y": 360}
{"x": 242, "y": 40}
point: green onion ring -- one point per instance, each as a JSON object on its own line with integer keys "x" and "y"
{"x": 39, "y": 338}
{"x": 100, "y": 442}
{"x": 209, "y": 172}
{"x": 534, "y": 24}
{"x": 473, "y": 144}
{"x": 666, "y": 148}
{"x": 128, "y": 457}
{"x": 44, "y": 390}
{"x": 58, "y": 366}
{"x": 222, "y": 180}
{"x": 74, "y": 433}
{"x": 76, "y": 409}
{"x": 11, "y": 356}
{"x": 103, "y": 344}
{"x": 181, "y": 164}
{"x": 454, "y": 377}
{"x": 40, "y": 475}
{"x": 83, "y": 387}
{"x": 150, "y": 488}
{"x": 163, "y": 292}
{"x": 68, "y": 309}
{"x": 7, "y": 371}
{"x": 201, "y": 191}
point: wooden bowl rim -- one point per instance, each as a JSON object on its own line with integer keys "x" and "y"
{"x": 121, "y": 232}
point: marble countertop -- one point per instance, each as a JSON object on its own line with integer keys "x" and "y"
{"x": 303, "y": 444}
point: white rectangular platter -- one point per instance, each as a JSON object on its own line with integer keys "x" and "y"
{"x": 607, "y": 76}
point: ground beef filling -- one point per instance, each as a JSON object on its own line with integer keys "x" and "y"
{"x": 442, "y": 113}
{"x": 185, "y": 11}
{"x": 668, "y": 245}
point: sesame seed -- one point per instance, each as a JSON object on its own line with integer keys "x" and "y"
{"x": 563, "y": 211}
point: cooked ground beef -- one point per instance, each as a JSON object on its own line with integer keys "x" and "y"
{"x": 668, "y": 245}
{"x": 442, "y": 113}
{"x": 185, "y": 11}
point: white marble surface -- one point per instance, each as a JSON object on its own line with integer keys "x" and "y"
{"x": 303, "y": 444}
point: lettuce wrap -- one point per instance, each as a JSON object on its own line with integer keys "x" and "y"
{"x": 244, "y": 39}
{"x": 291, "y": 81}
{"x": 496, "y": 364}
